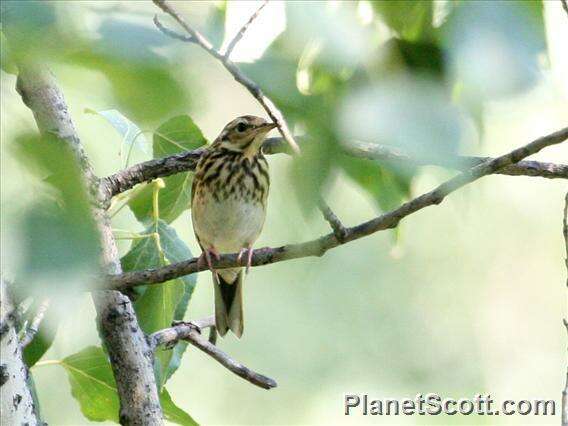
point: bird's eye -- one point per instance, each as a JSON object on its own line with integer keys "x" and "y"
{"x": 241, "y": 127}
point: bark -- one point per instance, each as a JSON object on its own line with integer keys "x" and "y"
{"x": 16, "y": 401}
{"x": 129, "y": 352}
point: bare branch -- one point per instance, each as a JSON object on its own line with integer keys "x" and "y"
{"x": 190, "y": 332}
{"x": 320, "y": 245}
{"x": 33, "y": 328}
{"x": 171, "y": 33}
{"x": 244, "y": 28}
{"x": 230, "y": 66}
{"x": 338, "y": 229}
{"x": 186, "y": 161}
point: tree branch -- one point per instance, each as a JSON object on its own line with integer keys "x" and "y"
{"x": 338, "y": 229}
{"x": 16, "y": 401}
{"x": 242, "y": 31}
{"x": 33, "y": 328}
{"x": 320, "y": 245}
{"x": 128, "y": 350}
{"x": 191, "y": 332}
{"x": 186, "y": 161}
{"x": 199, "y": 39}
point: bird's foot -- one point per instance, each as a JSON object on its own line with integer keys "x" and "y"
{"x": 249, "y": 250}
{"x": 240, "y": 255}
{"x": 206, "y": 257}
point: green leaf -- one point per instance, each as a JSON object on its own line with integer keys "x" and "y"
{"x": 412, "y": 56}
{"x": 386, "y": 185}
{"x": 310, "y": 171}
{"x": 412, "y": 20}
{"x": 159, "y": 305}
{"x": 173, "y": 413}
{"x": 131, "y": 134}
{"x": 176, "y": 135}
{"x": 176, "y": 251}
{"x": 59, "y": 238}
{"x": 93, "y": 386}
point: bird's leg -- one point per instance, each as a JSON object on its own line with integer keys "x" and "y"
{"x": 249, "y": 258}
{"x": 215, "y": 253}
{"x": 206, "y": 254}
{"x": 241, "y": 252}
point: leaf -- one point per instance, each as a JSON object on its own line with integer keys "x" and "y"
{"x": 412, "y": 20}
{"x": 414, "y": 56}
{"x": 142, "y": 90}
{"x": 59, "y": 239}
{"x": 160, "y": 304}
{"x": 386, "y": 185}
{"x": 93, "y": 386}
{"x": 177, "y": 251}
{"x": 172, "y": 412}
{"x": 309, "y": 173}
{"x": 131, "y": 134}
{"x": 178, "y": 134}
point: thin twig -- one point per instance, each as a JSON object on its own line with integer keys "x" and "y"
{"x": 339, "y": 230}
{"x": 242, "y": 31}
{"x": 251, "y": 86}
{"x": 186, "y": 161}
{"x": 319, "y": 246}
{"x": 190, "y": 332}
{"x": 172, "y": 33}
{"x": 33, "y": 328}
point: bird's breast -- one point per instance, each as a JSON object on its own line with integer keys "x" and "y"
{"x": 229, "y": 201}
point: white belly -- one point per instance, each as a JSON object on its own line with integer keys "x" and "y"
{"x": 227, "y": 225}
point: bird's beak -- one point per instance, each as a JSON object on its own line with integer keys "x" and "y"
{"x": 267, "y": 126}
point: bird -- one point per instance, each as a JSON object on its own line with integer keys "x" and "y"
{"x": 228, "y": 209}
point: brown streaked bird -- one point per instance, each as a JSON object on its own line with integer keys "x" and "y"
{"x": 228, "y": 208}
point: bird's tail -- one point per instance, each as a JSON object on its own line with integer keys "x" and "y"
{"x": 229, "y": 302}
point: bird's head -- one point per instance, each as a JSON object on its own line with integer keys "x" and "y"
{"x": 245, "y": 134}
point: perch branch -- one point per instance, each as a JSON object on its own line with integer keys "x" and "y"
{"x": 186, "y": 161}
{"x": 190, "y": 332}
{"x": 33, "y": 329}
{"x": 251, "y": 86}
{"x": 320, "y": 245}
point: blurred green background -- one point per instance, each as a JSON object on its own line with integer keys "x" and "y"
{"x": 464, "y": 298}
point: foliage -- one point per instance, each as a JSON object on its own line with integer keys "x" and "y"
{"x": 175, "y": 135}
{"x": 158, "y": 306}
{"x": 333, "y": 75}
{"x": 93, "y": 386}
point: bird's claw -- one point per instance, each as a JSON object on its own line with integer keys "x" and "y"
{"x": 206, "y": 256}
